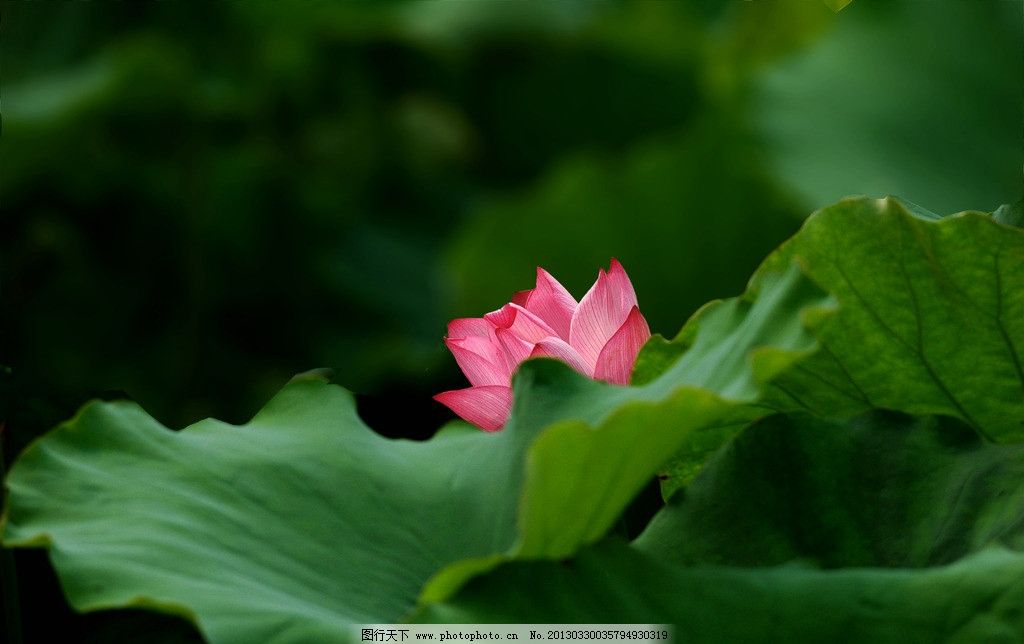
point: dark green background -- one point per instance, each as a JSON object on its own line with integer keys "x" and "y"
{"x": 199, "y": 201}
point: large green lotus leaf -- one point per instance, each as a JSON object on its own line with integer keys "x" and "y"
{"x": 918, "y": 523}
{"x": 284, "y": 529}
{"x": 883, "y": 489}
{"x": 931, "y": 320}
{"x": 977, "y": 599}
{"x": 304, "y": 520}
{"x": 931, "y": 316}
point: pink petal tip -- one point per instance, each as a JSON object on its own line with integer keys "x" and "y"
{"x": 615, "y": 364}
{"x": 486, "y": 407}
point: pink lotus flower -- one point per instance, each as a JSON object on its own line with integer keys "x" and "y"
{"x": 600, "y": 337}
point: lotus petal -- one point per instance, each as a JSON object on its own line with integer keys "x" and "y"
{"x": 615, "y": 363}
{"x": 560, "y": 349}
{"x": 524, "y": 324}
{"x": 600, "y": 313}
{"x": 486, "y": 407}
{"x": 552, "y": 303}
{"x": 481, "y": 359}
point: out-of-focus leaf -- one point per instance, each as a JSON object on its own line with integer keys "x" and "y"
{"x": 837, "y": 5}
{"x": 1010, "y": 214}
{"x": 683, "y": 214}
{"x": 754, "y": 34}
{"x": 52, "y": 97}
{"x": 893, "y": 101}
{"x": 456, "y": 23}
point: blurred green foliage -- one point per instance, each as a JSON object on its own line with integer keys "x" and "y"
{"x": 199, "y": 201}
